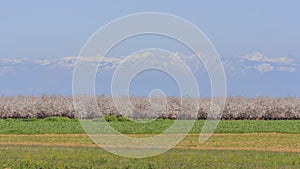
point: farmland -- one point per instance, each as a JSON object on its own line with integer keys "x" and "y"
{"x": 58, "y": 142}
{"x": 43, "y": 132}
{"x": 72, "y": 126}
{"x": 83, "y": 157}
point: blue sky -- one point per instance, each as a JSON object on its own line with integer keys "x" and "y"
{"x": 50, "y": 31}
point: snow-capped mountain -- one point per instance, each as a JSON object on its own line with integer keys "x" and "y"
{"x": 250, "y": 74}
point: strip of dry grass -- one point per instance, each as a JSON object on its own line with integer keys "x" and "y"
{"x": 277, "y": 142}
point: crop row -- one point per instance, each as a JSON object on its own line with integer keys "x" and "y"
{"x": 140, "y": 107}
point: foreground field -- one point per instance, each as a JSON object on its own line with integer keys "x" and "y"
{"x": 84, "y": 157}
{"x": 61, "y": 143}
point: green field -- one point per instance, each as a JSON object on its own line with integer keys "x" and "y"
{"x": 78, "y": 157}
{"x": 72, "y": 126}
{"x": 61, "y": 143}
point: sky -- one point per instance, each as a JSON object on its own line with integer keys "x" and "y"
{"x": 258, "y": 42}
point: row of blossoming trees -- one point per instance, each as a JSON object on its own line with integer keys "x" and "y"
{"x": 263, "y": 108}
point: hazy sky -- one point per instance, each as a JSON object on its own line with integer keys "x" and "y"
{"x": 57, "y": 29}
{"x": 60, "y": 28}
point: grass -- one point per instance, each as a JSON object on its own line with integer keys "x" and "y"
{"x": 57, "y": 142}
{"x": 58, "y": 125}
{"x": 79, "y": 157}
{"x": 254, "y": 141}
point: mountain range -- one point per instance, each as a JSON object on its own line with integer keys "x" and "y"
{"x": 250, "y": 75}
